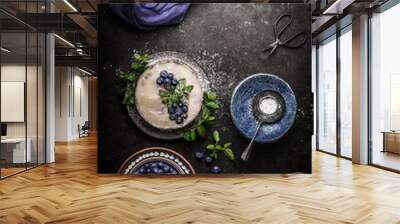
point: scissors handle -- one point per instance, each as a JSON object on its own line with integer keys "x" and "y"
{"x": 285, "y": 26}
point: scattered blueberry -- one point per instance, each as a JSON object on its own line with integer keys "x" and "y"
{"x": 160, "y": 81}
{"x": 199, "y": 155}
{"x": 180, "y": 104}
{"x": 208, "y": 160}
{"x": 174, "y": 82}
{"x": 167, "y": 81}
{"x": 172, "y": 117}
{"x": 216, "y": 169}
{"x": 184, "y": 115}
{"x": 174, "y": 105}
{"x": 170, "y": 75}
{"x": 164, "y": 74}
{"x": 179, "y": 120}
{"x": 185, "y": 108}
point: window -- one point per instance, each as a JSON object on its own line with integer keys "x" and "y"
{"x": 385, "y": 89}
{"x": 22, "y": 101}
{"x": 334, "y": 91}
{"x": 327, "y": 96}
{"x": 346, "y": 92}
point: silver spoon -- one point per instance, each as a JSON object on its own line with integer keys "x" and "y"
{"x": 246, "y": 153}
{"x": 267, "y": 107}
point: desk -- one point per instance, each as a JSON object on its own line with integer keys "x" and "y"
{"x": 15, "y": 148}
{"x": 391, "y": 141}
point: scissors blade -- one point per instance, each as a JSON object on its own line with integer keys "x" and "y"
{"x": 273, "y": 50}
{"x": 272, "y": 46}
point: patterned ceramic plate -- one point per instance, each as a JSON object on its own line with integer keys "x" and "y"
{"x": 160, "y": 58}
{"x": 158, "y": 161}
{"x": 264, "y": 85}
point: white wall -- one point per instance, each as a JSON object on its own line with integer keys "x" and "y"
{"x": 71, "y": 102}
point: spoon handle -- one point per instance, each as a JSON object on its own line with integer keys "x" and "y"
{"x": 246, "y": 153}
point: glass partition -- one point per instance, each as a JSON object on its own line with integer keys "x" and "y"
{"x": 346, "y": 93}
{"x": 14, "y": 153}
{"x": 385, "y": 89}
{"x": 23, "y": 88}
{"x": 326, "y": 138}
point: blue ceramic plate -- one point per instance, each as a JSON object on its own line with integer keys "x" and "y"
{"x": 157, "y": 161}
{"x": 242, "y": 104}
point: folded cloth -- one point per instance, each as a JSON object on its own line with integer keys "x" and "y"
{"x": 149, "y": 16}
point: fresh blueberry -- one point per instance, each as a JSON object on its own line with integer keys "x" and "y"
{"x": 174, "y": 105}
{"x": 208, "y": 160}
{"x": 164, "y": 74}
{"x": 172, "y": 117}
{"x": 216, "y": 169}
{"x": 174, "y": 82}
{"x": 146, "y": 165}
{"x": 155, "y": 170}
{"x": 153, "y": 165}
{"x": 166, "y": 169}
{"x": 142, "y": 170}
{"x": 173, "y": 172}
{"x": 167, "y": 81}
{"x": 184, "y": 115}
{"x": 148, "y": 170}
{"x": 160, "y": 164}
{"x": 180, "y": 105}
{"x": 179, "y": 120}
{"x": 178, "y": 111}
{"x": 170, "y": 75}
{"x": 185, "y": 108}
{"x": 198, "y": 155}
{"x": 160, "y": 81}
{"x": 171, "y": 110}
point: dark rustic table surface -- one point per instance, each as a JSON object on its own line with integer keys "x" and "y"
{"x": 226, "y": 40}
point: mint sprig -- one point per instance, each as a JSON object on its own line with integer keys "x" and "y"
{"x": 210, "y": 105}
{"x": 216, "y": 148}
{"x": 127, "y": 79}
{"x": 175, "y": 94}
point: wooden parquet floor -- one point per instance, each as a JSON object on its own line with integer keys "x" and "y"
{"x": 70, "y": 191}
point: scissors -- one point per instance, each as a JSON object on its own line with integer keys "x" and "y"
{"x": 288, "y": 43}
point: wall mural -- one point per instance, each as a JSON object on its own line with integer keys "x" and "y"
{"x": 210, "y": 88}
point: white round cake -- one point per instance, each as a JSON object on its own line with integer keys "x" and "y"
{"x": 148, "y": 101}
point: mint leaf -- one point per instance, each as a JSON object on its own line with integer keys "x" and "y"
{"x": 163, "y": 93}
{"x": 219, "y": 147}
{"x": 214, "y": 155}
{"x": 227, "y": 145}
{"x": 201, "y": 131}
{"x": 210, "y": 147}
{"x": 188, "y": 89}
{"x": 229, "y": 154}
{"x": 189, "y": 136}
{"x": 216, "y": 136}
{"x": 205, "y": 113}
{"x": 192, "y": 135}
{"x": 212, "y": 105}
{"x": 212, "y": 96}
